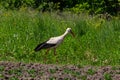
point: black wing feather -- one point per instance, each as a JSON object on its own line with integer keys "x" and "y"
{"x": 44, "y": 45}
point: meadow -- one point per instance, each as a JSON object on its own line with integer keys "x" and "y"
{"x": 96, "y": 42}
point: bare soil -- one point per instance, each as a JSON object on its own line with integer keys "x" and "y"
{"x": 36, "y": 71}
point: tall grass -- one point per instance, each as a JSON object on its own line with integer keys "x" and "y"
{"x": 97, "y": 41}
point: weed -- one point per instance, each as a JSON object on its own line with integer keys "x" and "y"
{"x": 107, "y": 76}
{"x": 72, "y": 72}
{"x": 91, "y": 71}
{"x": 31, "y": 72}
{"x": 84, "y": 77}
{"x": 67, "y": 71}
{"x": 1, "y": 76}
{"x": 52, "y": 71}
{"x": 1, "y": 68}
{"x": 13, "y": 78}
{"x": 52, "y": 78}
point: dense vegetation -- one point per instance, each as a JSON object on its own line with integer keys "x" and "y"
{"x": 26, "y": 23}
{"x": 90, "y": 6}
{"x": 97, "y": 40}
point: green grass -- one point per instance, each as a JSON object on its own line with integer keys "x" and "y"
{"x": 97, "y": 41}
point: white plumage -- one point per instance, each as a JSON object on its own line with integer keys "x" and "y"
{"x": 53, "y": 42}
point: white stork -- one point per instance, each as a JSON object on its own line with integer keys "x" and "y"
{"x": 53, "y": 42}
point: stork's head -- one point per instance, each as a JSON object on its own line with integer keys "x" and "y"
{"x": 69, "y": 30}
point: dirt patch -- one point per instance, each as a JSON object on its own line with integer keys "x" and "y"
{"x": 22, "y": 71}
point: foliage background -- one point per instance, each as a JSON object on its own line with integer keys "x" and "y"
{"x": 90, "y": 6}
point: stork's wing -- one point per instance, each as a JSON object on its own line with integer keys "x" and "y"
{"x": 44, "y": 45}
{"x": 53, "y": 40}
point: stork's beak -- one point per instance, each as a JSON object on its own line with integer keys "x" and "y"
{"x": 72, "y": 33}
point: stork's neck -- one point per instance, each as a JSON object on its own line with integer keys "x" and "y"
{"x": 66, "y": 32}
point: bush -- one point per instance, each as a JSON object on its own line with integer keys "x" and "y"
{"x": 77, "y": 6}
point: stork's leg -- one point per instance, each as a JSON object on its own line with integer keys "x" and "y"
{"x": 54, "y": 51}
{"x": 45, "y": 59}
{"x": 47, "y": 51}
{"x": 55, "y": 55}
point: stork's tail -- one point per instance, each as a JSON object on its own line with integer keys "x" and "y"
{"x": 44, "y": 45}
{"x": 39, "y": 47}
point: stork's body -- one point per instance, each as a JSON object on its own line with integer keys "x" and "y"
{"x": 53, "y": 42}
